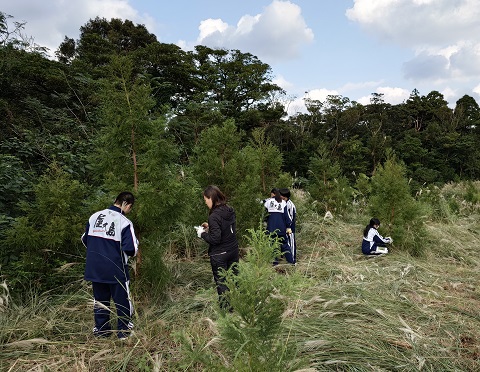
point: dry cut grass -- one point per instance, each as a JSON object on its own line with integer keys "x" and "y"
{"x": 351, "y": 313}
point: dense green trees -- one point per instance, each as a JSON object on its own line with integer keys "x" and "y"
{"x": 120, "y": 110}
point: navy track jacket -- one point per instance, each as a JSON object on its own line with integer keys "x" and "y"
{"x": 278, "y": 217}
{"x": 110, "y": 240}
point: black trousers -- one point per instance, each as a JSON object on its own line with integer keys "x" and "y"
{"x": 223, "y": 260}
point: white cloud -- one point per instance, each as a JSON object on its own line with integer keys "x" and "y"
{"x": 48, "y": 22}
{"x": 466, "y": 61}
{"x": 449, "y": 93}
{"x": 391, "y": 95}
{"x": 416, "y": 23}
{"x": 276, "y": 34}
{"x": 214, "y": 29}
{"x": 320, "y": 94}
{"x": 444, "y": 35}
{"x": 298, "y": 104}
{"x": 282, "y": 83}
{"x": 476, "y": 90}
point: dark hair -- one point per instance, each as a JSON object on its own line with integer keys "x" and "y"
{"x": 285, "y": 192}
{"x": 277, "y": 196}
{"x": 373, "y": 221}
{"x": 273, "y": 191}
{"x": 214, "y": 193}
{"x": 125, "y": 197}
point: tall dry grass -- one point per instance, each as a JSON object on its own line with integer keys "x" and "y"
{"x": 350, "y": 313}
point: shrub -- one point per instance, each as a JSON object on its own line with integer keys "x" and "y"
{"x": 392, "y": 203}
{"x": 327, "y": 185}
{"x": 252, "y": 335}
{"x": 47, "y": 237}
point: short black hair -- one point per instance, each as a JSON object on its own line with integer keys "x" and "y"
{"x": 285, "y": 192}
{"x": 125, "y": 197}
{"x": 373, "y": 222}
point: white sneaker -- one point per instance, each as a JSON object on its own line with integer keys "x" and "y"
{"x": 381, "y": 250}
{"x": 127, "y": 336}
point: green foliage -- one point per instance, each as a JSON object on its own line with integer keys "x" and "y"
{"x": 253, "y": 336}
{"x": 238, "y": 82}
{"x": 327, "y": 185}
{"x": 48, "y": 235}
{"x": 168, "y": 193}
{"x": 215, "y": 150}
{"x": 269, "y": 159}
{"x": 135, "y": 152}
{"x": 391, "y": 202}
{"x": 15, "y": 184}
{"x": 451, "y": 201}
{"x": 123, "y": 125}
{"x": 442, "y": 208}
{"x": 244, "y": 174}
{"x": 165, "y": 215}
{"x": 100, "y": 40}
{"x": 254, "y": 171}
{"x": 153, "y": 275}
{"x": 362, "y": 188}
{"x": 42, "y": 118}
{"x": 472, "y": 194}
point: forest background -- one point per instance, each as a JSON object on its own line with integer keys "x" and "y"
{"x": 117, "y": 110}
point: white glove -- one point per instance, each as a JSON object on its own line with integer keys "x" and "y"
{"x": 200, "y": 230}
{"x": 390, "y": 240}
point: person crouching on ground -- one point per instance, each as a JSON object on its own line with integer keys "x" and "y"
{"x": 221, "y": 235}
{"x": 110, "y": 240}
{"x": 373, "y": 243}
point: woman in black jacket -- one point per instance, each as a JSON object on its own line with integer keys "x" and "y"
{"x": 220, "y": 233}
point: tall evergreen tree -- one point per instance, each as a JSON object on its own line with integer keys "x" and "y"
{"x": 391, "y": 202}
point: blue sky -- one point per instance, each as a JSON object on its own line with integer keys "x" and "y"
{"x": 315, "y": 47}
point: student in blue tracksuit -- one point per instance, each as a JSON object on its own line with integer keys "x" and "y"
{"x": 292, "y": 213}
{"x": 110, "y": 240}
{"x": 373, "y": 243}
{"x": 279, "y": 224}
{"x": 272, "y": 195}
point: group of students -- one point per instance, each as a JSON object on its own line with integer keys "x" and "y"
{"x": 110, "y": 240}
{"x": 281, "y": 216}
{"x": 220, "y": 232}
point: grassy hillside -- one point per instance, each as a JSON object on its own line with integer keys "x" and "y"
{"x": 345, "y": 312}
